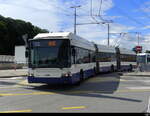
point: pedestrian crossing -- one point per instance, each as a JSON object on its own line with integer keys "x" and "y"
{"x": 139, "y": 88}
{"x": 137, "y": 82}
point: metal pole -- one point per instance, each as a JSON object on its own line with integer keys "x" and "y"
{"x": 138, "y": 38}
{"x": 75, "y": 17}
{"x": 75, "y": 21}
{"x": 108, "y": 33}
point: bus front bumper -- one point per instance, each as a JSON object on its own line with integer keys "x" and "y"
{"x": 62, "y": 80}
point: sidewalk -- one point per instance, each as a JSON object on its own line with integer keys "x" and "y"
{"x": 13, "y": 73}
{"x": 137, "y": 74}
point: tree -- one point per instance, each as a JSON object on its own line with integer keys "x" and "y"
{"x": 11, "y": 31}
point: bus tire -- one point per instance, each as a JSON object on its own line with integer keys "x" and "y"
{"x": 131, "y": 67}
{"x": 112, "y": 68}
{"x": 81, "y": 76}
{"x": 94, "y": 70}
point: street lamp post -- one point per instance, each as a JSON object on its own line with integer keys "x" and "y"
{"x": 75, "y": 17}
{"x": 108, "y": 30}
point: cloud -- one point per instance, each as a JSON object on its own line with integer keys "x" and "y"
{"x": 144, "y": 41}
{"x": 56, "y": 15}
{"x": 40, "y": 12}
{"x": 146, "y": 27}
{"x": 146, "y": 7}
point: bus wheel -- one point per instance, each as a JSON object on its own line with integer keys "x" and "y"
{"x": 81, "y": 75}
{"x": 81, "y": 78}
{"x": 131, "y": 67}
{"x": 112, "y": 68}
{"x": 94, "y": 70}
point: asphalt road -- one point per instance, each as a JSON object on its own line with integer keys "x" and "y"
{"x": 105, "y": 93}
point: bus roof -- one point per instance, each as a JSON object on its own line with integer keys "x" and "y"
{"x": 126, "y": 51}
{"x": 143, "y": 54}
{"x": 108, "y": 49}
{"x": 80, "y": 42}
{"x": 51, "y": 35}
{"x": 75, "y": 40}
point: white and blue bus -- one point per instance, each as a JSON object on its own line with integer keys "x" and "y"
{"x": 128, "y": 59}
{"x": 143, "y": 58}
{"x": 143, "y": 61}
{"x": 57, "y": 58}
{"x": 106, "y": 58}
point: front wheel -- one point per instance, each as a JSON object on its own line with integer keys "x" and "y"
{"x": 81, "y": 78}
{"x": 81, "y": 75}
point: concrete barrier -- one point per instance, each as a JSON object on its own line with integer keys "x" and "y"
{"x": 5, "y": 66}
{"x": 13, "y": 73}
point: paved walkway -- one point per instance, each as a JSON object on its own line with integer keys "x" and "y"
{"x": 13, "y": 73}
{"x": 137, "y": 73}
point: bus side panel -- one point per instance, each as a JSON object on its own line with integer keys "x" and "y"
{"x": 88, "y": 70}
{"x": 106, "y": 66}
{"x": 126, "y": 65}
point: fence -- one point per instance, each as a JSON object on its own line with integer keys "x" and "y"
{"x": 6, "y": 59}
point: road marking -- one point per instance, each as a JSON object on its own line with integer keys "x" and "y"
{"x": 25, "y": 83}
{"x": 12, "y": 87}
{"x": 34, "y": 93}
{"x": 75, "y": 107}
{"x": 17, "y": 111}
{"x": 148, "y": 107}
{"x": 16, "y": 78}
{"x": 146, "y": 81}
{"x": 139, "y": 88}
{"x": 7, "y": 91}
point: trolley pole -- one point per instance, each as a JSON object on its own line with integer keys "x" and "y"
{"x": 75, "y": 17}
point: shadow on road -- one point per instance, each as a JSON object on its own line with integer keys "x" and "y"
{"x": 102, "y": 86}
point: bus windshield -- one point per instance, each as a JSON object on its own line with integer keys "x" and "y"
{"x": 141, "y": 59}
{"x": 49, "y": 54}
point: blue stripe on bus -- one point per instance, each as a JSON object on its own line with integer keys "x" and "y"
{"x": 70, "y": 80}
{"x": 60, "y": 80}
{"x": 49, "y": 80}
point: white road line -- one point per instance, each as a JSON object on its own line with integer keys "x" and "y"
{"x": 12, "y": 78}
{"x": 145, "y": 81}
{"x": 148, "y": 107}
{"x": 16, "y": 78}
{"x": 138, "y": 88}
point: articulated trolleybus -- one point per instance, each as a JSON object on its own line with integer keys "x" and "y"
{"x": 58, "y": 58}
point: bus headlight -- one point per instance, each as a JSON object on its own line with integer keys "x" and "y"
{"x": 67, "y": 74}
{"x": 31, "y": 74}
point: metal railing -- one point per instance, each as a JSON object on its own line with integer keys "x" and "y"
{"x": 6, "y": 59}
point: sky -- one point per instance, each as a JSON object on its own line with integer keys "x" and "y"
{"x": 128, "y": 17}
